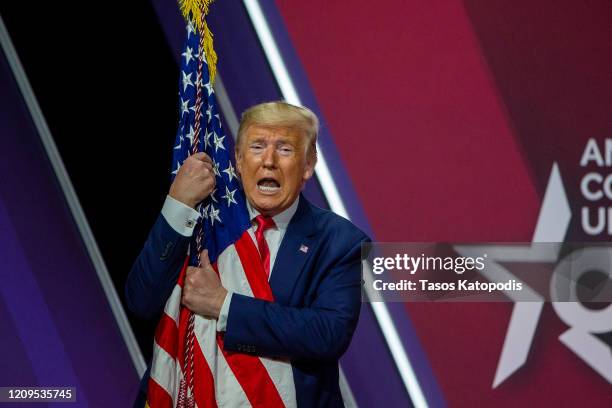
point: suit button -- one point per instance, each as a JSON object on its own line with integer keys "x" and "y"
{"x": 167, "y": 251}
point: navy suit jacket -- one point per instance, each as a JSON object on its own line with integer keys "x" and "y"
{"x": 317, "y": 298}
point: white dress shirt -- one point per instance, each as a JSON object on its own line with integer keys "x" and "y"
{"x": 183, "y": 219}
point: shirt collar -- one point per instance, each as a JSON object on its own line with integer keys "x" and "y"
{"x": 281, "y": 219}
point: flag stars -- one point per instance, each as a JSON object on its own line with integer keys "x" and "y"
{"x": 184, "y": 106}
{"x": 188, "y": 54}
{"x": 212, "y": 196}
{"x": 207, "y": 136}
{"x": 231, "y": 174}
{"x": 191, "y": 135}
{"x": 214, "y": 215}
{"x": 186, "y": 80}
{"x": 209, "y": 88}
{"x": 205, "y": 211}
{"x": 229, "y": 196}
{"x": 190, "y": 29}
{"x": 178, "y": 166}
{"x": 181, "y": 139}
{"x": 218, "y": 142}
{"x": 216, "y": 168}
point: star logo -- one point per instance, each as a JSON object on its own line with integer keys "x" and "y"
{"x": 553, "y": 222}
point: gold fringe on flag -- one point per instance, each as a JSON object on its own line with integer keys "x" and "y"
{"x": 196, "y": 10}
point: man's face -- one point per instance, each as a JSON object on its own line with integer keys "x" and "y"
{"x": 273, "y": 166}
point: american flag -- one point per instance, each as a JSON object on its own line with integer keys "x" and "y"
{"x": 219, "y": 378}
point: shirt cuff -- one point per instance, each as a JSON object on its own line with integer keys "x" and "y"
{"x": 181, "y": 217}
{"x": 224, "y": 312}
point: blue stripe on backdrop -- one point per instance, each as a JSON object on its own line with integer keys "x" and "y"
{"x": 21, "y": 371}
{"x": 29, "y": 314}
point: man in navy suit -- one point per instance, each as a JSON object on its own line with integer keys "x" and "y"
{"x": 312, "y": 256}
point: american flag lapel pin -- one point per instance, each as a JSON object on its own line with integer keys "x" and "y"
{"x": 304, "y": 248}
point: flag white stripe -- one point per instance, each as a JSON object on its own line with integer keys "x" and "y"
{"x": 281, "y": 373}
{"x": 232, "y": 273}
{"x": 172, "y": 308}
{"x": 165, "y": 371}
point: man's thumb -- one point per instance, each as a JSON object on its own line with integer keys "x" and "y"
{"x": 204, "y": 260}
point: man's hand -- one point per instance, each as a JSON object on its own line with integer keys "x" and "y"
{"x": 194, "y": 181}
{"x": 202, "y": 291}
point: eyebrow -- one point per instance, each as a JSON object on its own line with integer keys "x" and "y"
{"x": 278, "y": 142}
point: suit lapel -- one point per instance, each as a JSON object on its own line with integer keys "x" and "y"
{"x": 293, "y": 252}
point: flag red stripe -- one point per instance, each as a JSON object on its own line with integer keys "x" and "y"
{"x": 253, "y": 269}
{"x": 253, "y": 377}
{"x": 166, "y": 335}
{"x": 204, "y": 383}
{"x": 157, "y": 397}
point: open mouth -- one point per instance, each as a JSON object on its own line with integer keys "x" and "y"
{"x": 268, "y": 185}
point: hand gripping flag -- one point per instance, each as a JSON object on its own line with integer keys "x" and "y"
{"x": 190, "y": 367}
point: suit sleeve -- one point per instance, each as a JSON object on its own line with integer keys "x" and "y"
{"x": 321, "y": 331}
{"x": 155, "y": 271}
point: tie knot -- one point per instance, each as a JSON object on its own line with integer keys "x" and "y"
{"x": 264, "y": 223}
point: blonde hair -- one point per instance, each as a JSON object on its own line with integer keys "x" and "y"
{"x": 280, "y": 114}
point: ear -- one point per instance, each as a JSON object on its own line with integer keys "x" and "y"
{"x": 309, "y": 169}
{"x": 238, "y": 156}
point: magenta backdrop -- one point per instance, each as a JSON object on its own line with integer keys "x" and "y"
{"x": 448, "y": 116}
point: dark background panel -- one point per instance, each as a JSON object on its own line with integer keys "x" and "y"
{"x": 56, "y": 311}
{"x": 107, "y": 83}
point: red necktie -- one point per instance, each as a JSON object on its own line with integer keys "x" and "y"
{"x": 263, "y": 223}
